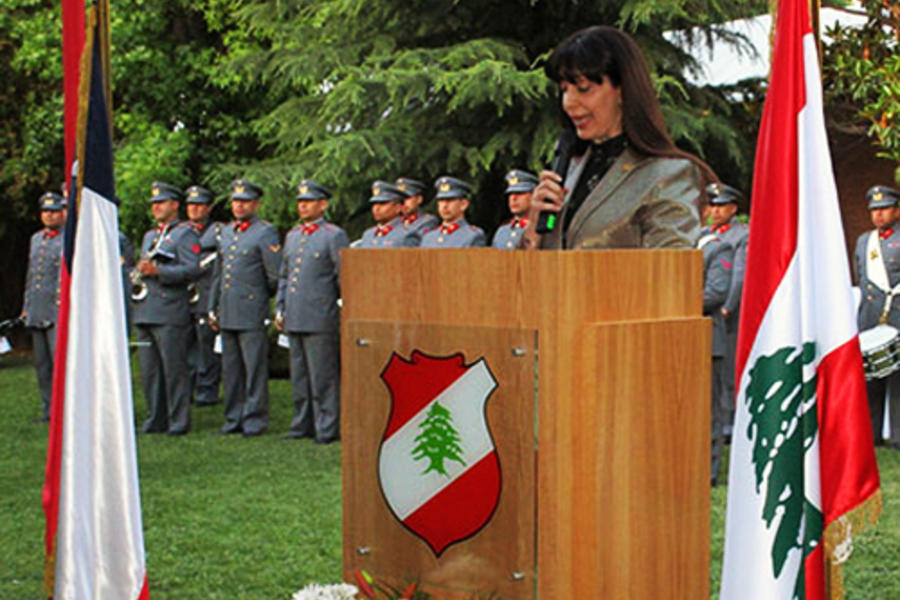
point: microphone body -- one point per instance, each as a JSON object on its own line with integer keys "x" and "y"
{"x": 562, "y": 154}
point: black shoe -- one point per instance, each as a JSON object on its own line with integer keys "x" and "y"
{"x": 151, "y": 429}
{"x": 249, "y": 434}
{"x": 176, "y": 432}
{"x": 324, "y": 442}
{"x": 293, "y": 435}
{"x": 230, "y": 430}
{"x": 206, "y": 402}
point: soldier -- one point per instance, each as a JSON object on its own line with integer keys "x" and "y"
{"x": 718, "y": 259}
{"x": 413, "y": 218}
{"x": 519, "y": 185}
{"x": 387, "y": 207}
{"x": 245, "y": 277}
{"x": 723, "y": 206}
{"x": 454, "y": 232}
{"x": 169, "y": 261}
{"x": 203, "y": 362}
{"x": 877, "y": 262}
{"x": 41, "y": 301}
{"x": 306, "y": 309}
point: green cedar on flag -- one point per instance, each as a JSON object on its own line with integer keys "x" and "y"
{"x": 803, "y": 475}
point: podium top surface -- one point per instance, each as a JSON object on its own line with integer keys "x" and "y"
{"x": 502, "y": 288}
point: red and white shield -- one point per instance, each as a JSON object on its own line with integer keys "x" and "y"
{"x": 437, "y": 465}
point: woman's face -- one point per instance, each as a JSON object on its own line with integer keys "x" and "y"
{"x": 595, "y": 108}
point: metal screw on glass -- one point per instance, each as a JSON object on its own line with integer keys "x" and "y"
{"x": 518, "y": 352}
{"x": 363, "y": 342}
{"x": 363, "y": 550}
{"x": 518, "y": 576}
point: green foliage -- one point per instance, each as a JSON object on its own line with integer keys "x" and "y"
{"x": 439, "y": 440}
{"x": 862, "y": 77}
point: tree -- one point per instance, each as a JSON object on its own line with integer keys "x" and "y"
{"x": 439, "y": 440}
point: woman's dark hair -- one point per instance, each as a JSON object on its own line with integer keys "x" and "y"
{"x": 598, "y": 52}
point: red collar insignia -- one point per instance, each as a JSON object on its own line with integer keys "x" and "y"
{"x": 722, "y": 228}
{"x": 520, "y": 223}
{"x": 410, "y": 218}
{"x": 309, "y": 228}
{"x": 449, "y": 227}
{"x": 49, "y": 234}
{"x": 382, "y": 230}
{"x": 241, "y": 226}
{"x": 886, "y": 233}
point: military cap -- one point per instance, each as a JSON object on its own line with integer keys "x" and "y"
{"x": 51, "y": 201}
{"x": 518, "y": 181}
{"x": 881, "y": 196}
{"x": 310, "y": 190}
{"x": 382, "y": 191}
{"x": 160, "y": 192}
{"x": 719, "y": 194}
{"x": 241, "y": 189}
{"x": 198, "y": 195}
{"x": 450, "y": 187}
{"x": 411, "y": 187}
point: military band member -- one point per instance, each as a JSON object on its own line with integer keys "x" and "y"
{"x": 519, "y": 185}
{"x": 387, "y": 210}
{"x": 413, "y": 217}
{"x": 723, "y": 206}
{"x": 245, "y": 277}
{"x": 41, "y": 301}
{"x": 718, "y": 259}
{"x": 203, "y": 362}
{"x": 306, "y": 309}
{"x": 877, "y": 262}
{"x": 454, "y": 231}
{"x": 169, "y": 261}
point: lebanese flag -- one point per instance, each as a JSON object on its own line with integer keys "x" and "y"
{"x": 94, "y": 537}
{"x": 803, "y": 475}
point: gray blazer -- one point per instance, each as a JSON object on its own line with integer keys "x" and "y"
{"x": 178, "y": 263}
{"x": 465, "y": 236}
{"x": 309, "y": 285}
{"x": 510, "y": 235}
{"x": 41, "y": 301}
{"x": 736, "y": 235}
{"x": 420, "y": 224}
{"x": 718, "y": 257}
{"x": 209, "y": 242}
{"x": 641, "y": 202}
{"x": 398, "y": 237}
{"x": 872, "y": 298}
{"x": 245, "y": 275}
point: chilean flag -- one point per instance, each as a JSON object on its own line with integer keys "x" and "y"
{"x": 803, "y": 476}
{"x": 94, "y": 538}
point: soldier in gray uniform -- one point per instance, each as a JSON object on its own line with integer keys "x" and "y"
{"x": 723, "y": 206}
{"x": 306, "y": 309}
{"x": 877, "y": 263}
{"x": 169, "y": 261}
{"x": 519, "y": 185}
{"x": 204, "y": 364}
{"x": 387, "y": 208}
{"x": 41, "y": 301}
{"x": 413, "y": 217}
{"x": 718, "y": 260}
{"x": 245, "y": 277}
{"x": 454, "y": 232}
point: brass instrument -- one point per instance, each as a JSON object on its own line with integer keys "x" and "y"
{"x": 193, "y": 288}
{"x": 139, "y": 289}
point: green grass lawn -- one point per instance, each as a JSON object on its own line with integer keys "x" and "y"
{"x": 229, "y": 518}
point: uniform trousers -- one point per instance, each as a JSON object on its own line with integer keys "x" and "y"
{"x": 719, "y": 414}
{"x": 203, "y": 363}
{"x": 166, "y": 382}
{"x": 876, "y": 390}
{"x": 245, "y": 379}
{"x": 731, "y": 325}
{"x": 43, "y": 342}
{"x": 315, "y": 384}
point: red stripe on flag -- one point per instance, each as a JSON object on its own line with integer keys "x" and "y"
{"x": 814, "y": 574}
{"x": 418, "y": 381}
{"x": 849, "y": 471}
{"x": 145, "y": 591}
{"x": 774, "y": 208}
{"x": 461, "y": 509}
{"x": 72, "y": 46}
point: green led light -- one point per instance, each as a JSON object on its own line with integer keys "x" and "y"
{"x": 551, "y": 222}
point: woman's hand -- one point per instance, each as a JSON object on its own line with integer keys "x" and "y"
{"x": 548, "y": 195}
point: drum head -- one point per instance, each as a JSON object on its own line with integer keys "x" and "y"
{"x": 877, "y": 336}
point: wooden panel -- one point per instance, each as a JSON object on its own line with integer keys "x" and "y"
{"x": 486, "y": 561}
{"x": 627, "y": 513}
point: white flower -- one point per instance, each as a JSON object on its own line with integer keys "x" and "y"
{"x": 314, "y": 591}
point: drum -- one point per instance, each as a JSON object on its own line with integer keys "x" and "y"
{"x": 880, "y": 347}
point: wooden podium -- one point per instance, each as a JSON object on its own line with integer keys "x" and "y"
{"x": 599, "y": 418}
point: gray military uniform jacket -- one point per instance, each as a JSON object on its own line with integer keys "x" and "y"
{"x": 736, "y": 234}
{"x": 463, "y": 236}
{"x": 641, "y": 202}
{"x": 209, "y": 242}
{"x": 396, "y": 236}
{"x": 872, "y": 297}
{"x": 510, "y": 235}
{"x": 245, "y": 275}
{"x": 308, "y": 286}
{"x": 41, "y": 301}
{"x": 718, "y": 257}
{"x": 420, "y": 224}
{"x": 177, "y": 259}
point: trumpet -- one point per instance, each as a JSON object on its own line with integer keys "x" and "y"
{"x": 193, "y": 288}
{"x": 139, "y": 288}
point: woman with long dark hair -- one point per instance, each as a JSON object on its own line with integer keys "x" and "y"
{"x": 628, "y": 185}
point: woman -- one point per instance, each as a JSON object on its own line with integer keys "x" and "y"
{"x": 628, "y": 185}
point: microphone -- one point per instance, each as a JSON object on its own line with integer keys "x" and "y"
{"x": 562, "y": 154}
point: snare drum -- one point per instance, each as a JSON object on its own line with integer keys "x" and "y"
{"x": 880, "y": 347}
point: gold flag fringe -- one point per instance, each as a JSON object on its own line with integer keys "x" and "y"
{"x": 50, "y": 572}
{"x": 839, "y": 541}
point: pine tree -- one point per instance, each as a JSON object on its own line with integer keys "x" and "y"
{"x": 439, "y": 440}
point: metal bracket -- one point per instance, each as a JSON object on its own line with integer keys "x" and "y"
{"x": 363, "y": 550}
{"x": 519, "y": 352}
{"x": 363, "y": 342}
